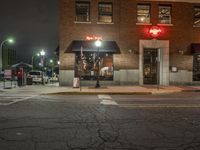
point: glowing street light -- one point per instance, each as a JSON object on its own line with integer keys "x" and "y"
{"x": 9, "y": 40}
{"x": 42, "y": 52}
{"x": 51, "y": 60}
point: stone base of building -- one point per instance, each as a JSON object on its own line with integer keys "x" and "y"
{"x": 127, "y": 77}
{"x": 121, "y": 77}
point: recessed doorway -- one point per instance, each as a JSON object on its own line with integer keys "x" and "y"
{"x": 150, "y": 66}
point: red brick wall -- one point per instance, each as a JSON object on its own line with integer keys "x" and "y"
{"x": 126, "y": 33}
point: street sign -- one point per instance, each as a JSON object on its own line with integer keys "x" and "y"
{"x": 7, "y": 74}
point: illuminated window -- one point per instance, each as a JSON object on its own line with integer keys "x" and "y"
{"x": 105, "y": 12}
{"x": 87, "y": 67}
{"x": 165, "y": 14}
{"x": 143, "y": 13}
{"x": 196, "y": 67}
{"x": 82, "y": 11}
{"x": 196, "y": 17}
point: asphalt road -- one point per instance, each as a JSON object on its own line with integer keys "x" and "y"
{"x": 100, "y": 122}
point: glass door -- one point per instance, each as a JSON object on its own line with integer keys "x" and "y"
{"x": 150, "y": 66}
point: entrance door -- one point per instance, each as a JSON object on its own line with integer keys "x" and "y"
{"x": 150, "y": 66}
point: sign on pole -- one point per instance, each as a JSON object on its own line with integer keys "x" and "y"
{"x": 7, "y": 74}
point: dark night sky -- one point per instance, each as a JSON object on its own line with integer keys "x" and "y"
{"x": 33, "y": 24}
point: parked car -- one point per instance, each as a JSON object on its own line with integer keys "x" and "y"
{"x": 38, "y": 77}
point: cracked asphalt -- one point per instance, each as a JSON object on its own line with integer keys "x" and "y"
{"x": 82, "y": 122}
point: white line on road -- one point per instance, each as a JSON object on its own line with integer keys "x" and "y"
{"x": 160, "y": 105}
{"x": 104, "y": 97}
{"x": 16, "y": 101}
{"x": 106, "y": 100}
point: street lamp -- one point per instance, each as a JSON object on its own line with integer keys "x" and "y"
{"x": 51, "y": 61}
{"x": 42, "y": 53}
{"x": 38, "y": 54}
{"x": 9, "y": 40}
{"x": 98, "y": 44}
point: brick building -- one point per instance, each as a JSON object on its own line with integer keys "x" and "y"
{"x": 143, "y": 42}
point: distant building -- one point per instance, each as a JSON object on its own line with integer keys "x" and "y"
{"x": 143, "y": 42}
{"x": 9, "y": 56}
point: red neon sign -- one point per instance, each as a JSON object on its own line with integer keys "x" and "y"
{"x": 89, "y": 38}
{"x": 155, "y": 31}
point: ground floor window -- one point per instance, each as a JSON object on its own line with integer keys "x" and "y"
{"x": 196, "y": 67}
{"x": 87, "y": 66}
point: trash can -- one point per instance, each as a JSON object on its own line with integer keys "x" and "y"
{"x": 29, "y": 81}
{"x": 76, "y": 83}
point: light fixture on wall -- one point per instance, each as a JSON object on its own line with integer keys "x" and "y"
{"x": 181, "y": 52}
{"x": 130, "y": 50}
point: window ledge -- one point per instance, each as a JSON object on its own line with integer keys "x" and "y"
{"x": 82, "y": 22}
{"x": 144, "y": 24}
{"x": 161, "y": 24}
{"x": 105, "y": 23}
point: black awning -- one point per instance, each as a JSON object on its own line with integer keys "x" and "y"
{"x": 195, "y": 48}
{"x": 89, "y": 46}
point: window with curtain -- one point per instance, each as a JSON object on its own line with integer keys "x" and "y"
{"x": 82, "y": 11}
{"x": 105, "y": 13}
{"x": 165, "y": 14}
{"x": 196, "y": 22}
{"x": 143, "y": 13}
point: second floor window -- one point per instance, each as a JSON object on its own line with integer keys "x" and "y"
{"x": 143, "y": 13}
{"x": 164, "y": 14}
{"x": 105, "y": 13}
{"x": 196, "y": 17}
{"x": 82, "y": 11}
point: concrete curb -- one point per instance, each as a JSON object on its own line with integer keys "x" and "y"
{"x": 96, "y": 93}
{"x": 190, "y": 90}
{"x": 112, "y": 93}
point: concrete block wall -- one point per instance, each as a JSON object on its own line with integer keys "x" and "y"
{"x": 181, "y": 77}
{"x": 126, "y": 77}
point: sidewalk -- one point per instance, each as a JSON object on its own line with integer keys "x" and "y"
{"x": 130, "y": 90}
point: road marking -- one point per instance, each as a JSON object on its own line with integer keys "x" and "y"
{"x": 10, "y": 102}
{"x": 160, "y": 105}
{"x": 106, "y": 100}
{"x": 104, "y": 97}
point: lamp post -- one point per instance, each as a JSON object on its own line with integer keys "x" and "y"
{"x": 38, "y": 54}
{"x": 51, "y": 61}
{"x": 42, "y": 53}
{"x": 98, "y": 44}
{"x": 10, "y": 40}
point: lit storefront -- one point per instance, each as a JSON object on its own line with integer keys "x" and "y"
{"x": 87, "y": 57}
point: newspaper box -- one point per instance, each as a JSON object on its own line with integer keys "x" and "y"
{"x": 76, "y": 83}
